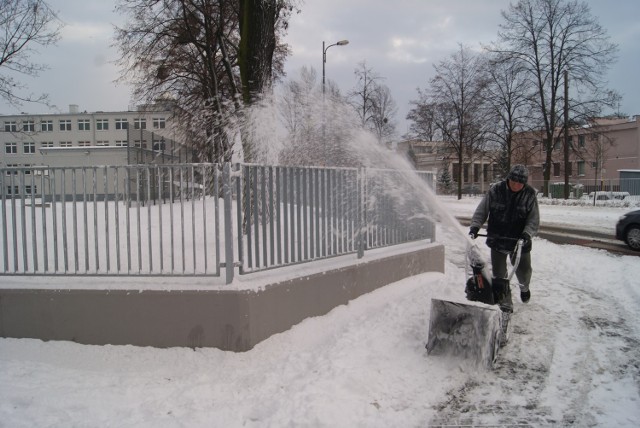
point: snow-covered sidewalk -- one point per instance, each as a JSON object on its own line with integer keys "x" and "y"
{"x": 572, "y": 359}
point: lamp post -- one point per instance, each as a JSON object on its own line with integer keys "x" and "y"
{"x": 324, "y": 61}
{"x": 324, "y": 56}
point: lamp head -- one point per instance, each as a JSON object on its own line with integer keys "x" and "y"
{"x": 342, "y": 42}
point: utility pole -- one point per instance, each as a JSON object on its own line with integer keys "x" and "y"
{"x": 567, "y": 164}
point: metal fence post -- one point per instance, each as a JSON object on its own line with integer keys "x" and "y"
{"x": 228, "y": 229}
{"x": 361, "y": 207}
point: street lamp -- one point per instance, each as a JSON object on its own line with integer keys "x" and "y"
{"x": 324, "y": 119}
{"x": 324, "y": 56}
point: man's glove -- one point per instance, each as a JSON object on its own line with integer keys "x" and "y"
{"x": 473, "y": 232}
{"x": 525, "y": 238}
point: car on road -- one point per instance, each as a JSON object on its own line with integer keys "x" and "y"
{"x": 628, "y": 229}
{"x": 606, "y": 196}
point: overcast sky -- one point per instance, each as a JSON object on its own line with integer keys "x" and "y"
{"x": 400, "y": 40}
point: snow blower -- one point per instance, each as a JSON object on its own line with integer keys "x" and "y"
{"x": 474, "y": 331}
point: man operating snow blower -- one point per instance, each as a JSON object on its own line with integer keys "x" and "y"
{"x": 511, "y": 209}
{"x": 476, "y": 330}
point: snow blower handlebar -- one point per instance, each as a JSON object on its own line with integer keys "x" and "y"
{"x": 501, "y": 237}
{"x": 515, "y": 256}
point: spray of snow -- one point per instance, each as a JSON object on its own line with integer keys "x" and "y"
{"x": 326, "y": 131}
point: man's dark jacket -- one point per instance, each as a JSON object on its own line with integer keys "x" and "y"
{"x": 510, "y": 214}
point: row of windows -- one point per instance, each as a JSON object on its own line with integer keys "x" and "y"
{"x": 82, "y": 124}
{"x": 491, "y": 172}
{"x": 15, "y": 190}
{"x": 29, "y": 148}
{"x": 558, "y": 144}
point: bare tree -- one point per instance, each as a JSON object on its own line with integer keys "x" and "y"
{"x": 373, "y": 102}
{"x": 508, "y": 104}
{"x": 596, "y": 152}
{"x": 298, "y": 111}
{"x": 384, "y": 110}
{"x": 456, "y": 97}
{"x": 423, "y": 117}
{"x": 547, "y": 37}
{"x": 25, "y": 25}
{"x": 190, "y": 53}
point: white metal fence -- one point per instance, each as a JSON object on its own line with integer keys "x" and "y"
{"x": 198, "y": 219}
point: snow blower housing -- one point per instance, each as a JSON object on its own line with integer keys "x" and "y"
{"x": 474, "y": 331}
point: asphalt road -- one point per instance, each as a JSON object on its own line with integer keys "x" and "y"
{"x": 586, "y": 238}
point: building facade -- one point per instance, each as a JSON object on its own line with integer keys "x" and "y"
{"x": 40, "y": 143}
{"x": 600, "y": 156}
{"x": 598, "y": 153}
{"x": 437, "y": 156}
{"x": 80, "y": 138}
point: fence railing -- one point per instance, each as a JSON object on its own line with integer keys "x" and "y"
{"x": 578, "y": 188}
{"x": 198, "y": 219}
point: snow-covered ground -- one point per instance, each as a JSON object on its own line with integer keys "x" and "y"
{"x": 573, "y": 358}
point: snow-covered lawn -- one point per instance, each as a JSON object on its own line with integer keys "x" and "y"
{"x": 573, "y": 358}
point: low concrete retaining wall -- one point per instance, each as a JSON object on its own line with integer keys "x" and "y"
{"x": 234, "y": 320}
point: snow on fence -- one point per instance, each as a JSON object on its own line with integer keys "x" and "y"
{"x": 198, "y": 219}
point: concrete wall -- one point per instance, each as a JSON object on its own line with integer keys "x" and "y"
{"x": 234, "y": 320}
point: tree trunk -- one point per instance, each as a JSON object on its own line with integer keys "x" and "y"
{"x": 257, "y": 44}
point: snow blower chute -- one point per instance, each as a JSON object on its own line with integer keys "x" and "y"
{"x": 474, "y": 330}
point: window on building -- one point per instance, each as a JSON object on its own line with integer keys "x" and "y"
{"x": 581, "y": 141}
{"x": 15, "y": 190}
{"x": 121, "y": 143}
{"x": 102, "y": 124}
{"x": 65, "y": 124}
{"x": 159, "y": 123}
{"x": 121, "y": 124}
{"x": 139, "y": 144}
{"x": 10, "y": 126}
{"x": 158, "y": 145}
{"x": 84, "y": 143}
{"x": 66, "y": 144}
{"x": 11, "y": 148}
{"x": 29, "y": 148}
{"x": 12, "y": 171}
{"x": 28, "y": 126}
{"x": 139, "y": 123}
{"x": 476, "y": 173}
{"x": 556, "y": 169}
{"x": 84, "y": 125}
{"x": 581, "y": 166}
{"x": 46, "y": 126}
{"x": 46, "y": 144}
{"x": 102, "y": 143}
